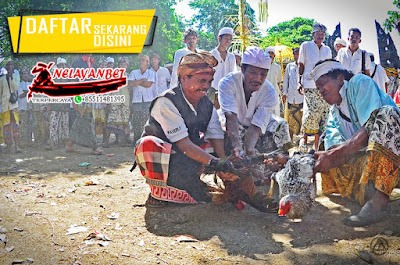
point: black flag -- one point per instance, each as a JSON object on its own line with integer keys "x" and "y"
{"x": 331, "y": 39}
{"x": 387, "y": 50}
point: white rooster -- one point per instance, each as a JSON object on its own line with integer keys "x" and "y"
{"x": 295, "y": 186}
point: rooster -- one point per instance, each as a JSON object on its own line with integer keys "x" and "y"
{"x": 295, "y": 186}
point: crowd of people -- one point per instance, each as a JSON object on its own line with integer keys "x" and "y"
{"x": 188, "y": 116}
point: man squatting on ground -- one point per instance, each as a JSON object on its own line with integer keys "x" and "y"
{"x": 169, "y": 154}
{"x": 362, "y": 142}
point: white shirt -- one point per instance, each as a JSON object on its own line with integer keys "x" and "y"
{"x": 275, "y": 77}
{"x": 290, "y": 84}
{"x": 140, "y": 93}
{"x": 261, "y": 105}
{"x": 173, "y": 125}
{"x": 223, "y": 68}
{"x": 177, "y": 57}
{"x": 348, "y": 128}
{"x": 380, "y": 76}
{"x": 353, "y": 61}
{"x": 162, "y": 78}
{"x": 22, "y": 102}
{"x": 309, "y": 56}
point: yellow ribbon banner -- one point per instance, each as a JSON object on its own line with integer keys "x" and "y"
{"x": 103, "y": 32}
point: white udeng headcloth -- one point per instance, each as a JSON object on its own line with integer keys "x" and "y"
{"x": 255, "y": 56}
{"x": 324, "y": 68}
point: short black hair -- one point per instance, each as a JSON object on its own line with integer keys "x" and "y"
{"x": 190, "y": 32}
{"x": 372, "y": 58}
{"x": 355, "y": 30}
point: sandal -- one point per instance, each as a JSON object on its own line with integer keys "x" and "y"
{"x": 154, "y": 203}
{"x": 367, "y": 216}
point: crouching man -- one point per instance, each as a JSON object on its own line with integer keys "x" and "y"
{"x": 362, "y": 142}
{"x": 170, "y": 155}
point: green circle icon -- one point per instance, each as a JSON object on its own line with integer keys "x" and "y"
{"x": 78, "y": 99}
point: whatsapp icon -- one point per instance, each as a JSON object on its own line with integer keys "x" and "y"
{"x": 78, "y": 99}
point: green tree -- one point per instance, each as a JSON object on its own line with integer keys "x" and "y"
{"x": 167, "y": 39}
{"x": 211, "y": 16}
{"x": 394, "y": 18}
{"x": 290, "y": 33}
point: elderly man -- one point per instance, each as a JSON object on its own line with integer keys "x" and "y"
{"x": 248, "y": 101}
{"x": 352, "y": 57}
{"x": 275, "y": 76}
{"x": 226, "y": 62}
{"x": 169, "y": 154}
{"x": 141, "y": 82}
{"x": 315, "y": 108}
{"x": 190, "y": 38}
{"x": 362, "y": 156}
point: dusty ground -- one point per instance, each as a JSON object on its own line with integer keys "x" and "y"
{"x": 43, "y": 193}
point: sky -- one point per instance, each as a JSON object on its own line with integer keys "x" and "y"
{"x": 350, "y": 13}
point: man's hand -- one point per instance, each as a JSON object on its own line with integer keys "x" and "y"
{"x": 284, "y": 98}
{"x": 300, "y": 89}
{"x": 324, "y": 161}
{"x": 237, "y": 152}
{"x": 227, "y": 176}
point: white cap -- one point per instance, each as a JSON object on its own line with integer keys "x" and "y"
{"x": 270, "y": 49}
{"x": 340, "y": 41}
{"x": 255, "y": 56}
{"x": 61, "y": 60}
{"x": 225, "y": 30}
{"x": 110, "y": 60}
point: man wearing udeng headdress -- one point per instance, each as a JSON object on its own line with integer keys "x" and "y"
{"x": 169, "y": 153}
{"x": 362, "y": 116}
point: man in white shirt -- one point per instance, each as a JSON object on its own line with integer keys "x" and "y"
{"x": 24, "y": 111}
{"x": 141, "y": 81}
{"x": 315, "y": 109}
{"x": 191, "y": 38}
{"x": 238, "y": 58}
{"x": 163, "y": 77}
{"x": 110, "y": 62}
{"x": 379, "y": 75}
{"x": 275, "y": 76}
{"x": 352, "y": 57}
{"x": 226, "y": 62}
{"x": 339, "y": 43}
{"x": 292, "y": 95}
{"x": 248, "y": 101}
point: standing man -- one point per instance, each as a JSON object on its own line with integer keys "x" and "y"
{"x": 292, "y": 95}
{"x": 352, "y": 57}
{"x": 238, "y": 58}
{"x": 110, "y": 62}
{"x": 24, "y": 109}
{"x": 141, "y": 81}
{"x": 275, "y": 76}
{"x": 191, "y": 38}
{"x": 315, "y": 108}
{"x": 379, "y": 75}
{"x": 226, "y": 62}
{"x": 163, "y": 77}
{"x": 9, "y": 103}
{"x": 339, "y": 43}
{"x": 248, "y": 102}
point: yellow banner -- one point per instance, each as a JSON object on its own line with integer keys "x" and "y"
{"x": 103, "y": 32}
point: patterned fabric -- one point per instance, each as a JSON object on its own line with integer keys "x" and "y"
{"x": 10, "y": 126}
{"x": 380, "y": 164}
{"x": 100, "y": 119}
{"x": 153, "y": 156}
{"x": 59, "y": 126}
{"x": 40, "y": 126}
{"x": 140, "y": 114}
{"x": 118, "y": 119}
{"x": 295, "y": 114}
{"x": 25, "y": 128}
{"x": 315, "y": 112}
{"x": 82, "y": 130}
{"x": 1, "y": 130}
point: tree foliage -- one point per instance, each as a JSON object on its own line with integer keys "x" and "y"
{"x": 167, "y": 39}
{"x": 211, "y": 16}
{"x": 290, "y": 33}
{"x": 393, "y": 21}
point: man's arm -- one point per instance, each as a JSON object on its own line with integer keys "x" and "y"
{"x": 138, "y": 82}
{"x": 301, "y": 71}
{"x": 218, "y": 145}
{"x": 147, "y": 84}
{"x": 193, "y": 151}
{"x": 338, "y": 156}
{"x": 232, "y": 129}
{"x": 251, "y": 138}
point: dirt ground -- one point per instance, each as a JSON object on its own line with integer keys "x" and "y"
{"x": 43, "y": 194}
